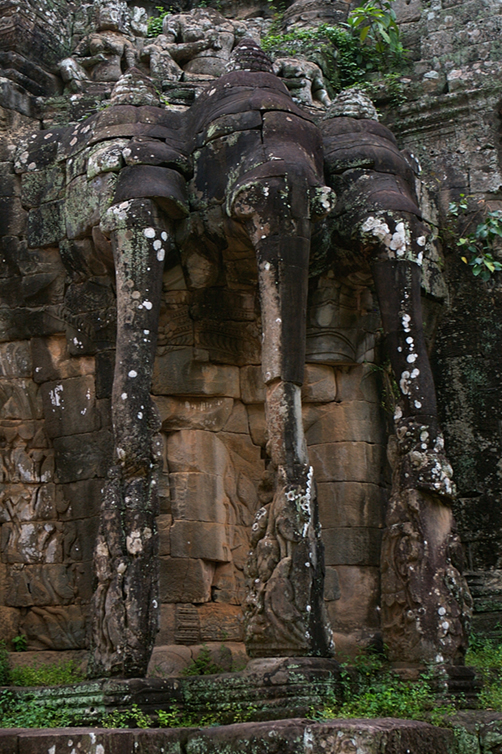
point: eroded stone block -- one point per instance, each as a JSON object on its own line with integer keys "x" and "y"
{"x": 220, "y": 622}
{"x": 252, "y": 385}
{"x": 198, "y": 496}
{"x": 176, "y": 373}
{"x": 353, "y": 421}
{"x": 83, "y": 456}
{"x": 70, "y": 406}
{"x": 359, "y": 598}
{"x": 351, "y": 504}
{"x": 194, "y": 539}
{"x": 347, "y": 462}
{"x": 193, "y": 413}
{"x": 319, "y": 384}
{"x": 352, "y": 546}
{"x": 183, "y": 579}
{"x": 46, "y": 225}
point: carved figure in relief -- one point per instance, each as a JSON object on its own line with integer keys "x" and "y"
{"x": 304, "y": 80}
{"x": 104, "y": 54}
{"x": 377, "y": 223}
{"x": 261, "y": 177}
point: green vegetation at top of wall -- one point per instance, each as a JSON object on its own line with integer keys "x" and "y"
{"x": 368, "y": 43}
{"x": 480, "y": 244}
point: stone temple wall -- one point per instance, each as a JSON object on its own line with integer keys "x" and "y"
{"x": 57, "y": 340}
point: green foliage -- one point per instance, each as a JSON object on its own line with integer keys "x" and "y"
{"x": 4, "y": 665}
{"x": 486, "y": 656}
{"x": 155, "y": 24}
{"x": 374, "y": 690}
{"x": 28, "y": 712}
{"x": 20, "y": 643}
{"x": 478, "y": 246}
{"x": 203, "y": 664}
{"x": 55, "y": 674}
{"x": 375, "y": 25}
{"x": 369, "y": 42}
{"x": 130, "y": 718}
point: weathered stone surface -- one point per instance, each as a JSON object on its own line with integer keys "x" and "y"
{"x": 319, "y": 385}
{"x": 193, "y": 539}
{"x": 343, "y": 504}
{"x": 354, "y": 421}
{"x": 197, "y": 496}
{"x": 352, "y": 546}
{"x": 348, "y": 462}
{"x": 252, "y": 385}
{"x": 70, "y": 406}
{"x": 191, "y": 413}
{"x": 46, "y": 225}
{"x": 15, "y": 359}
{"x": 82, "y": 456}
{"x": 183, "y": 579}
{"x": 221, "y": 622}
{"x": 177, "y": 373}
{"x": 359, "y": 599}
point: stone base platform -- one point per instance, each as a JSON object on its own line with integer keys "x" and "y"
{"x": 296, "y": 736}
{"x": 268, "y": 689}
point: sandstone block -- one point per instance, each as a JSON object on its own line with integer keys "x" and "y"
{"x": 359, "y": 598}
{"x": 193, "y": 413}
{"x": 164, "y": 522}
{"x": 357, "y": 383}
{"x": 177, "y": 373}
{"x": 20, "y": 399}
{"x": 319, "y": 384}
{"x": 228, "y": 584}
{"x": 194, "y": 539}
{"x": 220, "y": 622}
{"x": 168, "y": 660}
{"x": 70, "y": 406}
{"x": 29, "y": 503}
{"x": 46, "y": 226}
{"x": 83, "y": 456}
{"x": 245, "y": 456}
{"x": 166, "y": 625}
{"x": 252, "y": 385}
{"x": 195, "y": 450}
{"x": 331, "y": 584}
{"x": 39, "y": 585}
{"x": 41, "y": 186}
{"x": 53, "y": 362}
{"x": 257, "y": 424}
{"x": 183, "y": 579}
{"x": 238, "y": 419}
{"x": 15, "y": 359}
{"x": 344, "y": 504}
{"x": 347, "y": 462}
{"x": 13, "y": 218}
{"x": 354, "y": 421}
{"x": 80, "y": 538}
{"x": 56, "y": 628}
{"x": 32, "y": 543}
{"x": 86, "y": 201}
{"x": 352, "y": 546}
{"x": 79, "y": 499}
{"x": 198, "y": 497}
{"x": 9, "y": 623}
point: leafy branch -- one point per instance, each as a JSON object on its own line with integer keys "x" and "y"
{"x": 478, "y": 246}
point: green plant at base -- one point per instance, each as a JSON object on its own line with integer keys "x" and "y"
{"x": 20, "y": 643}
{"x": 203, "y": 664}
{"x": 55, "y": 674}
{"x": 376, "y": 691}
{"x": 479, "y": 244}
{"x": 130, "y": 718}
{"x": 28, "y": 712}
{"x": 4, "y": 665}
